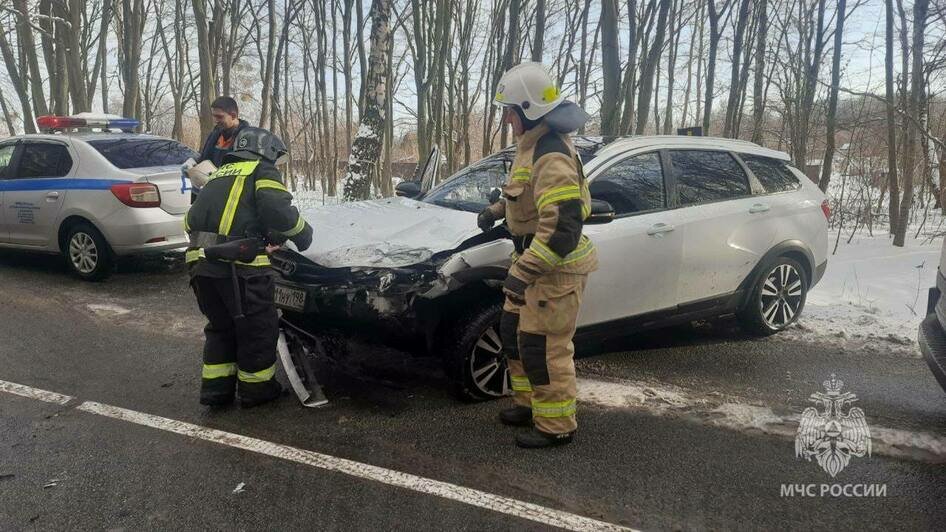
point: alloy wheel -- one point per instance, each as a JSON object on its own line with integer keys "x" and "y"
{"x": 782, "y": 295}
{"x": 488, "y": 368}
{"x": 83, "y": 253}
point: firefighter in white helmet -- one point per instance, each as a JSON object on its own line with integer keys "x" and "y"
{"x": 545, "y": 202}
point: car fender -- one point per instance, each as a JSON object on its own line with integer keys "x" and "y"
{"x": 795, "y": 249}
{"x": 74, "y": 212}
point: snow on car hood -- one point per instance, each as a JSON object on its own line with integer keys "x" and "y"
{"x": 385, "y": 233}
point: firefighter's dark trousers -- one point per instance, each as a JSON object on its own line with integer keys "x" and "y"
{"x": 238, "y": 351}
{"x": 537, "y": 341}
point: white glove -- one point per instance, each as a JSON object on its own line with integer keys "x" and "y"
{"x": 188, "y": 164}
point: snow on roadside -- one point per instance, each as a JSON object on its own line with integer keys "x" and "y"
{"x": 873, "y": 295}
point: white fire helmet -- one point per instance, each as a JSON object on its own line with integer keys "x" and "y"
{"x": 530, "y": 87}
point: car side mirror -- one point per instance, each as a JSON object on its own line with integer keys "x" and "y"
{"x": 494, "y": 195}
{"x": 601, "y": 213}
{"x": 407, "y": 189}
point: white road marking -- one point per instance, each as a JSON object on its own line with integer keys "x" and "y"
{"x": 34, "y": 393}
{"x": 446, "y": 490}
{"x": 740, "y": 415}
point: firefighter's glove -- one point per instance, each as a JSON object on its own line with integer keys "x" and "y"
{"x": 304, "y": 239}
{"x": 486, "y": 219}
{"x": 275, "y": 238}
{"x": 515, "y": 289}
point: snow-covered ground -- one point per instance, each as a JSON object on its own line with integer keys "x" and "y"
{"x": 873, "y": 295}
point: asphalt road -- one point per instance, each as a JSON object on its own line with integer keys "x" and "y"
{"x": 690, "y": 428}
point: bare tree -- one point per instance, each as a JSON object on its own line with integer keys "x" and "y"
{"x": 758, "y": 96}
{"x": 735, "y": 88}
{"x": 538, "y": 44}
{"x": 893, "y": 185}
{"x": 611, "y": 66}
{"x": 716, "y": 12}
{"x": 132, "y": 29}
{"x": 831, "y": 119}
{"x": 914, "y": 109}
{"x": 366, "y": 150}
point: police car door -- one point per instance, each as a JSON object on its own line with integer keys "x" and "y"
{"x": 7, "y": 150}
{"x": 34, "y": 190}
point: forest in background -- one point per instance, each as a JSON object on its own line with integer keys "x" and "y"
{"x": 375, "y": 83}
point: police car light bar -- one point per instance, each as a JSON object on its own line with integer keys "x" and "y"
{"x": 59, "y": 123}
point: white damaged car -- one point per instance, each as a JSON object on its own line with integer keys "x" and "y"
{"x": 686, "y": 228}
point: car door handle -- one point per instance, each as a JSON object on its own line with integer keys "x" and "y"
{"x": 52, "y": 196}
{"x": 759, "y": 207}
{"x": 658, "y": 228}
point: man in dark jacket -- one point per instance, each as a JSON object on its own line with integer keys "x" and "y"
{"x": 229, "y": 124}
{"x": 244, "y": 204}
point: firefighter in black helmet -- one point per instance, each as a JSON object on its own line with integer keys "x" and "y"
{"x": 244, "y": 204}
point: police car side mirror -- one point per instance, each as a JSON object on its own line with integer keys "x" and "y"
{"x": 407, "y": 189}
{"x": 601, "y": 213}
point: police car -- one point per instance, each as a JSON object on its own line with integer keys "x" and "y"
{"x": 89, "y": 188}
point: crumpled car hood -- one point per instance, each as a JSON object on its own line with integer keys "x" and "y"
{"x": 386, "y": 233}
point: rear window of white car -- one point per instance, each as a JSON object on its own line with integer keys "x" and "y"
{"x": 142, "y": 153}
{"x": 772, "y": 173}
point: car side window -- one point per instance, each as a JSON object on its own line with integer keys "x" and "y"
{"x": 772, "y": 173}
{"x": 43, "y": 159}
{"x": 632, "y": 185}
{"x": 6, "y": 157}
{"x": 704, "y": 176}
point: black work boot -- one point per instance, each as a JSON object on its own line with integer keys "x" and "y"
{"x": 218, "y": 392}
{"x": 536, "y": 439}
{"x": 218, "y": 400}
{"x": 517, "y": 416}
{"x": 257, "y": 394}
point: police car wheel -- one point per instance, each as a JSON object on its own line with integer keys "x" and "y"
{"x": 87, "y": 253}
{"x": 473, "y": 357}
{"x": 777, "y": 299}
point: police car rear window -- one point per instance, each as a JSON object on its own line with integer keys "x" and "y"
{"x": 141, "y": 153}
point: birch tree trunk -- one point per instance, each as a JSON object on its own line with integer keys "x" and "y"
{"x": 366, "y": 149}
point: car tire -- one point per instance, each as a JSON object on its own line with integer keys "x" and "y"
{"x": 777, "y": 298}
{"x": 87, "y": 253}
{"x": 472, "y": 356}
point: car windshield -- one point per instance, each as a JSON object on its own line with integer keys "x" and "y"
{"x": 469, "y": 189}
{"x": 126, "y": 153}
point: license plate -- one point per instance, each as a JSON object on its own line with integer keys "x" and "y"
{"x": 290, "y": 298}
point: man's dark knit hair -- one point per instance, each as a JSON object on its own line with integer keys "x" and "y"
{"x": 226, "y": 104}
